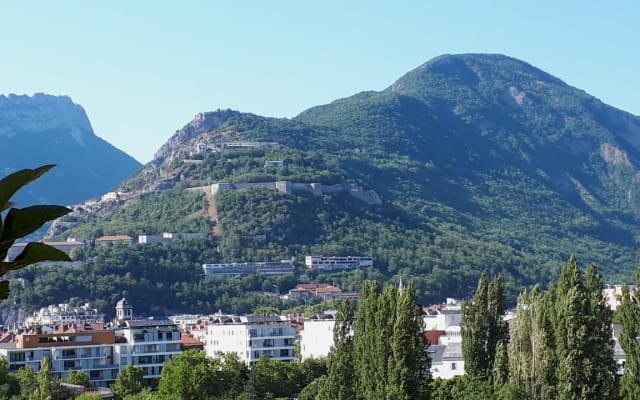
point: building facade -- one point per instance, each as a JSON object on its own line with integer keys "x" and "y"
{"x": 251, "y": 337}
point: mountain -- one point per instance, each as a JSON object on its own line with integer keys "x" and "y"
{"x": 479, "y": 161}
{"x": 43, "y": 129}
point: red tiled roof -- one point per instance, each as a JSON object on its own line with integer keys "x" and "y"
{"x": 434, "y": 336}
{"x": 190, "y": 342}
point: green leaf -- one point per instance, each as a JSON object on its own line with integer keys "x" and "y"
{"x": 20, "y": 222}
{"x": 10, "y": 184}
{"x": 4, "y": 289}
{"x": 33, "y": 253}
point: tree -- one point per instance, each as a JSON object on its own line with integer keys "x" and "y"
{"x": 28, "y": 380}
{"x": 128, "y": 382}
{"x": 501, "y": 367}
{"x": 531, "y": 351}
{"x": 19, "y": 222}
{"x": 9, "y": 384}
{"x": 79, "y": 378}
{"x": 191, "y": 376}
{"x": 49, "y": 387}
{"x": 582, "y": 326}
{"x": 629, "y": 314}
{"x": 269, "y": 377}
{"x": 482, "y": 327}
{"x": 339, "y": 383}
{"x": 390, "y": 349}
{"x": 410, "y": 369}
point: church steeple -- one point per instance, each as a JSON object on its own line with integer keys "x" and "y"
{"x": 124, "y": 310}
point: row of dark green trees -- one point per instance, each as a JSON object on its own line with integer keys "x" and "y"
{"x": 559, "y": 345}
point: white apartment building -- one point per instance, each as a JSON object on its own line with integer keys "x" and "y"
{"x": 337, "y": 263}
{"x": 250, "y": 337}
{"x": 316, "y": 338}
{"x": 147, "y": 343}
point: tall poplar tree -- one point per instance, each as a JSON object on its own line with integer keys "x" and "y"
{"x": 339, "y": 383}
{"x": 390, "y": 348}
{"x": 582, "y": 326}
{"x": 629, "y": 313}
{"x": 482, "y": 327}
{"x": 410, "y": 370}
{"x": 531, "y": 350}
{"x": 365, "y": 345}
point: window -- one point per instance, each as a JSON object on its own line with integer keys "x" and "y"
{"x": 68, "y": 353}
{"x": 453, "y": 366}
{"x": 69, "y": 364}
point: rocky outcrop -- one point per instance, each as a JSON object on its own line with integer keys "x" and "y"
{"x": 44, "y": 129}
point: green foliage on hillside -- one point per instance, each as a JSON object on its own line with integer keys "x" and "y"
{"x": 482, "y": 162}
{"x": 175, "y": 210}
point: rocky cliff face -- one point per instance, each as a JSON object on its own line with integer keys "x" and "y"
{"x": 45, "y": 129}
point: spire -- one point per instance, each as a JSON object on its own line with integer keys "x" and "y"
{"x": 400, "y": 285}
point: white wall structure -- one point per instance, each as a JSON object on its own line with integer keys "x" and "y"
{"x": 250, "y": 337}
{"x": 316, "y": 338}
{"x": 613, "y": 294}
{"x": 149, "y": 344}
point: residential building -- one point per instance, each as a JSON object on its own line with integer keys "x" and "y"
{"x": 337, "y": 263}
{"x": 613, "y": 295}
{"x": 64, "y": 314}
{"x": 316, "y": 338}
{"x": 98, "y": 350}
{"x": 147, "y": 343}
{"x": 250, "y": 337}
{"x": 92, "y": 352}
{"x": 324, "y": 291}
{"x": 446, "y": 360}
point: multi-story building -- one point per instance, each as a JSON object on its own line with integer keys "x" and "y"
{"x": 316, "y": 338}
{"x": 147, "y": 343}
{"x": 101, "y": 353}
{"x": 64, "y": 314}
{"x": 92, "y": 352}
{"x": 239, "y": 269}
{"x": 337, "y": 263}
{"x": 250, "y": 337}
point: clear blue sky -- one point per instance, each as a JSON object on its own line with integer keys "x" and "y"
{"x": 142, "y": 69}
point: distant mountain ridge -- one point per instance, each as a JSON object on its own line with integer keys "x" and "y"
{"x": 45, "y": 129}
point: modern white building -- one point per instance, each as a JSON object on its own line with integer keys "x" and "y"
{"x": 316, "y": 337}
{"x": 250, "y": 337}
{"x": 337, "y": 263}
{"x": 238, "y": 269}
{"x": 147, "y": 343}
{"x": 446, "y": 360}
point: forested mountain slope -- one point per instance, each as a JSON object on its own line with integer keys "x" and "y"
{"x": 481, "y": 161}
